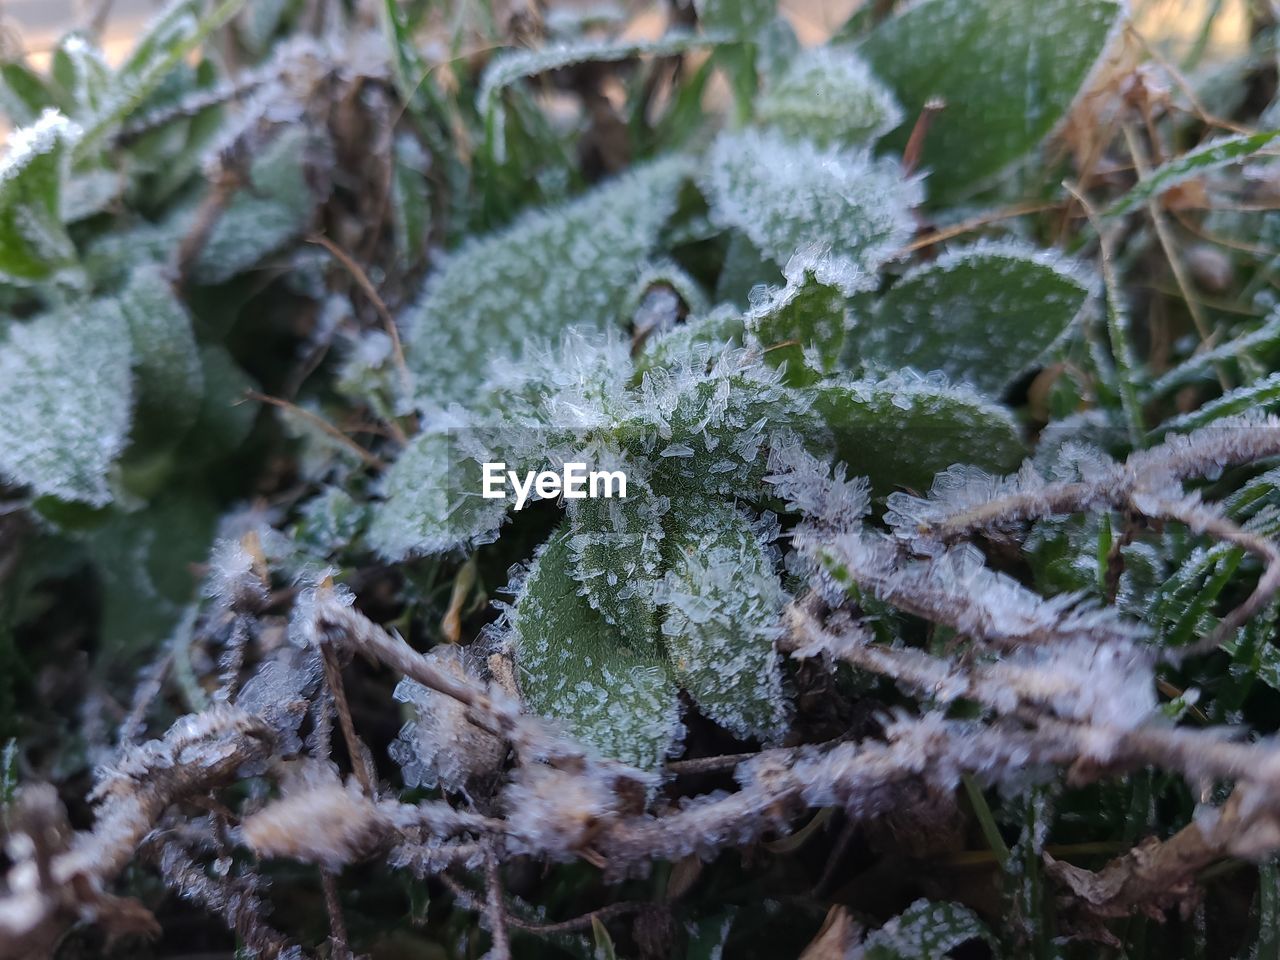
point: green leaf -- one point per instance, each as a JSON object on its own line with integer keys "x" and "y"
{"x": 172, "y": 37}
{"x": 574, "y": 667}
{"x": 723, "y": 604}
{"x": 740, "y": 19}
{"x": 829, "y": 96}
{"x": 166, "y": 359}
{"x": 145, "y": 561}
{"x": 1008, "y": 71}
{"x": 226, "y": 417}
{"x": 1262, "y": 394}
{"x": 80, "y": 69}
{"x": 65, "y": 399}
{"x": 707, "y": 423}
{"x": 510, "y": 66}
{"x": 981, "y": 315}
{"x": 410, "y": 200}
{"x": 24, "y": 95}
{"x": 34, "y": 245}
{"x": 843, "y": 211}
{"x": 616, "y": 549}
{"x": 550, "y": 271}
{"x": 276, "y": 207}
{"x": 723, "y": 325}
{"x": 805, "y": 316}
{"x": 1201, "y": 365}
{"x": 431, "y": 501}
{"x": 926, "y": 930}
{"x": 1200, "y": 160}
{"x": 902, "y": 431}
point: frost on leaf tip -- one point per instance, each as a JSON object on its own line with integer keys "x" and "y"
{"x": 574, "y": 667}
{"x": 723, "y": 608}
{"x": 791, "y": 195}
{"x": 829, "y": 95}
{"x": 34, "y": 245}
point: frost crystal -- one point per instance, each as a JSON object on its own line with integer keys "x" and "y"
{"x": 788, "y": 196}
{"x": 441, "y": 747}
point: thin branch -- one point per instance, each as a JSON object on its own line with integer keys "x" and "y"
{"x": 319, "y": 423}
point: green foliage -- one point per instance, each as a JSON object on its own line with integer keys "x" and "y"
{"x": 65, "y": 399}
{"x": 981, "y": 315}
{"x": 34, "y": 246}
{"x": 830, "y": 96}
{"x": 925, "y": 929}
{"x": 723, "y": 614}
{"x": 1001, "y": 98}
{"x": 614, "y": 692}
{"x": 551, "y": 270}
{"x": 849, "y": 212}
{"x": 901, "y": 431}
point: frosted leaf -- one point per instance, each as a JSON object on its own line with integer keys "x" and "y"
{"x": 80, "y": 69}
{"x": 615, "y": 546}
{"x": 572, "y": 666}
{"x": 1202, "y": 364}
{"x": 723, "y": 610}
{"x": 34, "y": 245}
{"x": 1193, "y": 163}
{"x": 1002, "y": 98}
{"x": 982, "y": 315}
{"x": 144, "y": 560}
{"x": 1262, "y": 394}
{"x": 440, "y": 747}
{"x": 805, "y": 314}
{"x": 903, "y": 430}
{"x": 24, "y": 95}
{"x": 721, "y": 326}
{"x": 512, "y": 65}
{"x": 791, "y": 196}
{"x": 166, "y": 359}
{"x": 65, "y": 400}
{"x": 431, "y": 501}
{"x": 724, "y": 410}
{"x": 926, "y": 930}
{"x": 551, "y": 270}
{"x": 331, "y": 521}
{"x": 828, "y": 95}
{"x": 275, "y": 207}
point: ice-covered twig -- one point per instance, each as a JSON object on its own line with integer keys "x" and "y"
{"x": 196, "y": 755}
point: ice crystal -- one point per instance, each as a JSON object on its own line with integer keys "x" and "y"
{"x": 440, "y": 747}
{"x": 790, "y": 195}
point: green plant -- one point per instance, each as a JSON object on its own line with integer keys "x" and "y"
{"x": 914, "y": 499}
